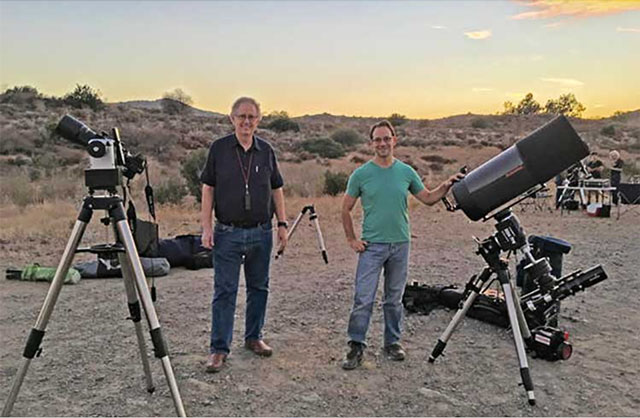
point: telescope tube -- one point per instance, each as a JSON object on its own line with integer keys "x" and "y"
{"x": 533, "y": 160}
{"x": 75, "y": 131}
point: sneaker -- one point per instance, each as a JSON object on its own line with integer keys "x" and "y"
{"x": 354, "y": 356}
{"x": 395, "y": 352}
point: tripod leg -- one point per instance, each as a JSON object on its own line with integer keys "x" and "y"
{"x": 474, "y": 285}
{"x": 293, "y": 228}
{"x": 159, "y": 345}
{"x": 32, "y": 347}
{"x": 522, "y": 321}
{"x": 314, "y": 217}
{"x": 503, "y": 276}
{"x": 136, "y": 317}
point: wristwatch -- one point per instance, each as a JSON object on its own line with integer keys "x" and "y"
{"x": 283, "y": 223}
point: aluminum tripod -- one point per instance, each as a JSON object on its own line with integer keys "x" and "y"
{"x": 509, "y": 237}
{"x": 312, "y": 217}
{"x": 135, "y": 286}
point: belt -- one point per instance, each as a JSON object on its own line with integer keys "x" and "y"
{"x": 243, "y": 224}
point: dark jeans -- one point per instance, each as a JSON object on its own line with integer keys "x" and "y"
{"x": 233, "y": 247}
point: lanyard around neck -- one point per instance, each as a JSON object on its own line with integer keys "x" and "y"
{"x": 245, "y": 174}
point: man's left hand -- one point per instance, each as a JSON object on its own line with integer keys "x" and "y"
{"x": 453, "y": 179}
{"x": 282, "y": 238}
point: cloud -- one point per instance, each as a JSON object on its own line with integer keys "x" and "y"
{"x": 598, "y": 106}
{"x": 554, "y": 24}
{"x": 547, "y": 9}
{"x": 482, "y": 34}
{"x": 569, "y": 82}
{"x": 438, "y": 27}
{"x": 481, "y": 89}
{"x": 635, "y": 30}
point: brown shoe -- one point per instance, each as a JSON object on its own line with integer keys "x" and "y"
{"x": 259, "y": 347}
{"x": 215, "y": 362}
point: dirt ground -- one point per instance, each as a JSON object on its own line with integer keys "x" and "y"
{"x": 90, "y": 363}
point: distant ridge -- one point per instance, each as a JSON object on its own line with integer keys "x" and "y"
{"x": 157, "y": 105}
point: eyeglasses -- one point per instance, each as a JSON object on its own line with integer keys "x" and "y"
{"x": 250, "y": 118}
{"x": 385, "y": 139}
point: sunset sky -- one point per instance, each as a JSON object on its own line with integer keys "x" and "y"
{"x": 422, "y": 59}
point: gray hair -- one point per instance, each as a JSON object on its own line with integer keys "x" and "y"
{"x": 242, "y": 100}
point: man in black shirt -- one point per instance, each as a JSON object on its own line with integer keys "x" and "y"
{"x": 595, "y": 166}
{"x": 243, "y": 186}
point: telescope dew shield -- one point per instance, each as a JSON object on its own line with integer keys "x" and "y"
{"x": 75, "y": 131}
{"x": 533, "y": 160}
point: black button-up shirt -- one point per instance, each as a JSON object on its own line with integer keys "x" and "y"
{"x": 223, "y": 171}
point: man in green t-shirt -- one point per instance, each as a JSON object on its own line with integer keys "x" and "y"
{"x": 383, "y": 185}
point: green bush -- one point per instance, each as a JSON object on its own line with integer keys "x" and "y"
{"x": 324, "y": 147}
{"x": 83, "y": 96}
{"x": 479, "y": 123}
{"x": 348, "y": 138}
{"x": 397, "y": 119}
{"x": 171, "y": 191}
{"x": 20, "y": 95}
{"x": 608, "y": 130}
{"x": 191, "y": 168}
{"x": 335, "y": 183}
{"x": 283, "y": 124}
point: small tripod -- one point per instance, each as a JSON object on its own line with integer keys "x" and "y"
{"x": 312, "y": 217}
{"x": 135, "y": 286}
{"x": 509, "y": 237}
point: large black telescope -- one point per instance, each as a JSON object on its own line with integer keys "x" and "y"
{"x": 531, "y": 161}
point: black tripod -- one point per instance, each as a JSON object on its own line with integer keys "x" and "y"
{"x": 509, "y": 237}
{"x": 135, "y": 286}
{"x": 312, "y": 217}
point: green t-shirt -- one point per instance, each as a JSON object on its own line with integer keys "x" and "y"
{"x": 383, "y": 193}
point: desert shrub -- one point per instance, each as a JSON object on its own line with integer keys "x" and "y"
{"x": 171, "y": 191}
{"x": 83, "y": 96}
{"x": 335, "y": 183}
{"x": 448, "y": 142}
{"x": 176, "y": 102}
{"x": 357, "y": 159}
{"x": 397, "y": 119}
{"x": 348, "y": 138}
{"x": 472, "y": 141}
{"x": 324, "y": 147}
{"x": 151, "y": 141}
{"x": 436, "y": 167}
{"x": 437, "y": 159}
{"x": 608, "y": 130}
{"x": 412, "y": 142}
{"x": 20, "y": 95}
{"x": 15, "y": 141}
{"x": 479, "y": 123}
{"x": 191, "y": 168}
{"x": 485, "y": 143}
{"x": 19, "y": 191}
{"x": 283, "y": 124}
{"x": 60, "y": 187}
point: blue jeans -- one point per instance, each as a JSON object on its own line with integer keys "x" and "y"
{"x": 233, "y": 247}
{"x": 394, "y": 259}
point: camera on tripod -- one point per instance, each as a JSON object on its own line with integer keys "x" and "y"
{"x": 109, "y": 161}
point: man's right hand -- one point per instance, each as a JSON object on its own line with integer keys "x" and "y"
{"x": 207, "y": 238}
{"x": 358, "y": 245}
